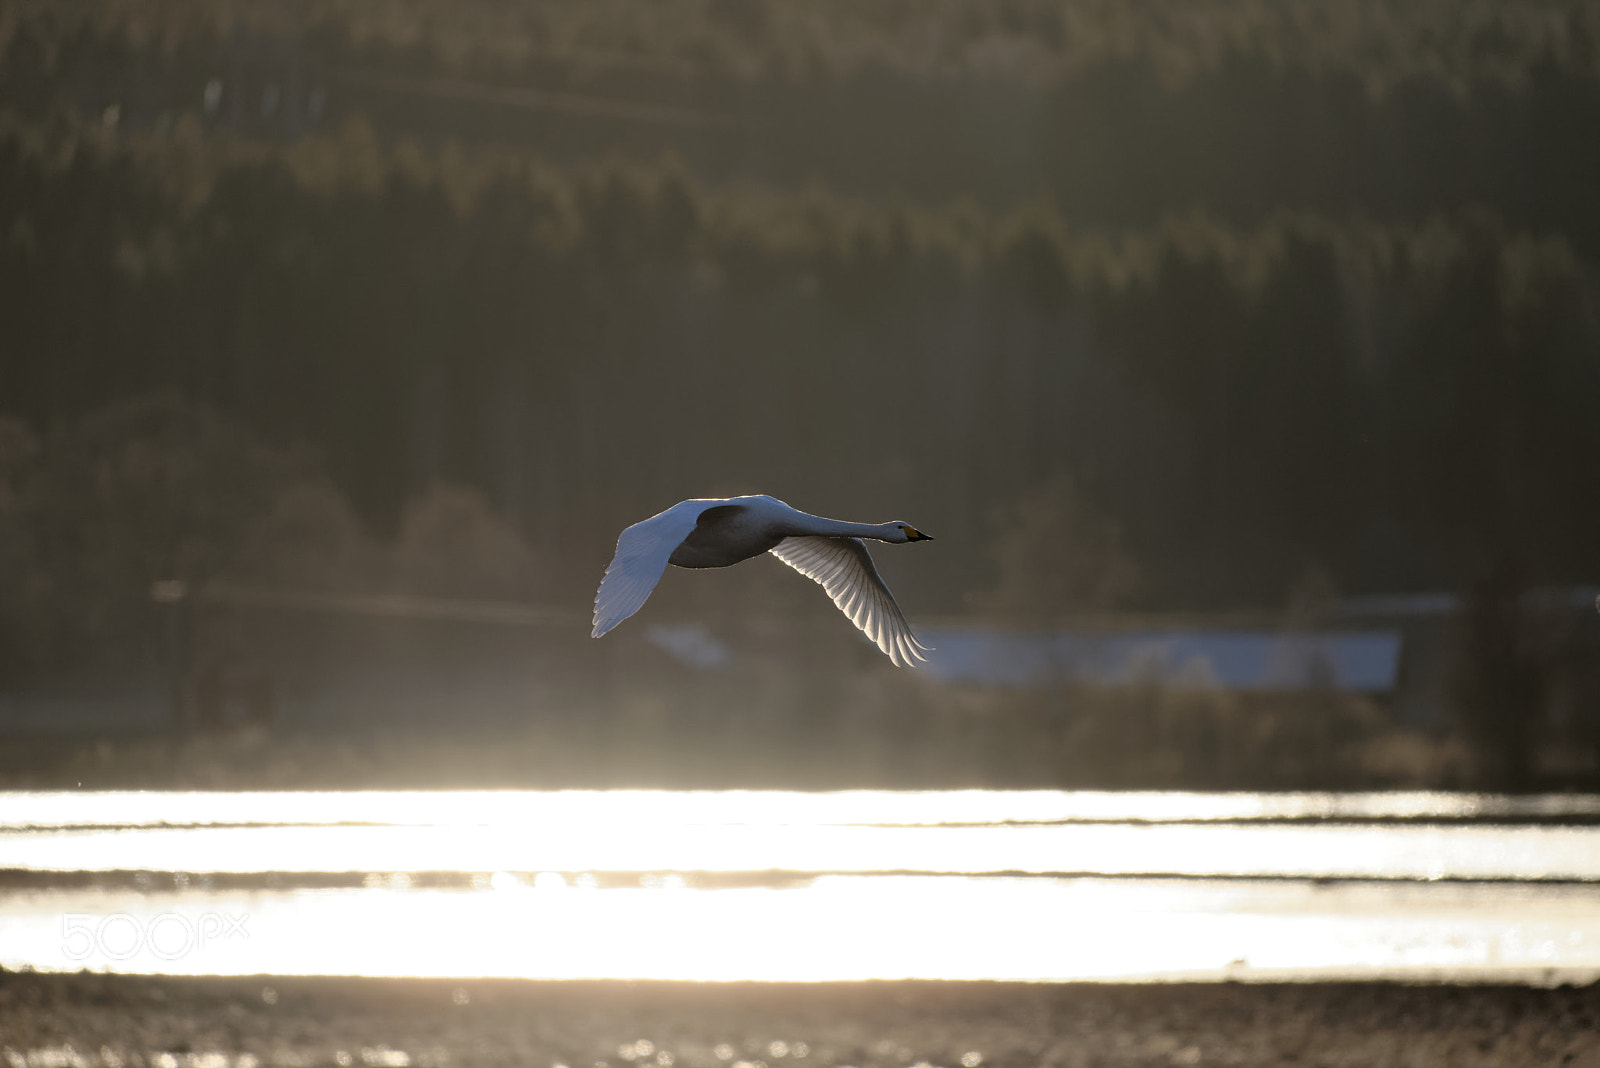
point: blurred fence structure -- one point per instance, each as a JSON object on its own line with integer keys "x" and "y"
{"x": 1367, "y": 693}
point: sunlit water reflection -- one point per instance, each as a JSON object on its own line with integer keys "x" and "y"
{"x": 1121, "y": 887}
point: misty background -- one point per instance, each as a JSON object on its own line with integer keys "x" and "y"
{"x": 341, "y": 340}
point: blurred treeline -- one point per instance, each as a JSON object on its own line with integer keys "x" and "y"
{"x": 1395, "y": 404}
{"x": 1178, "y": 305}
{"x": 1124, "y": 113}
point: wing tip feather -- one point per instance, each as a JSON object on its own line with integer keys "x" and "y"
{"x": 856, "y": 590}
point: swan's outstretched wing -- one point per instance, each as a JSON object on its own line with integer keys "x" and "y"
{"x": 642, "y": 552}
{"x": 844, "y": 568}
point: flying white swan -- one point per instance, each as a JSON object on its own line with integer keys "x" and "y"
{"x": 717, "y": 532}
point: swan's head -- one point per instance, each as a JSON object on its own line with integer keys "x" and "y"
{"x": 902, "y": 532}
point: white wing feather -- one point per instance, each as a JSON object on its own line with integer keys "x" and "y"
{"x": 843, "y": 567}
{"x": 640, "y": 560}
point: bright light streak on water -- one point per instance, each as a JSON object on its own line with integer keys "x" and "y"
{"x": 836, "y": 928}
{"x": 967, "y": 921}
{"x": 1376, "y": 851}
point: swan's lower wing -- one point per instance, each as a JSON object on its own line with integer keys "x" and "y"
{"x": 641, "y": 557}
{"x": 844, "y": 569}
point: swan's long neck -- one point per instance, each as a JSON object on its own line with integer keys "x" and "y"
{"x": 834, "y": 528}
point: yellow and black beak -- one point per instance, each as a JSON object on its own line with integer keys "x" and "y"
{"x": 913, "y": 534}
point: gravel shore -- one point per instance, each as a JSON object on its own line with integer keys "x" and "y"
{"x": 101, "y": 1021}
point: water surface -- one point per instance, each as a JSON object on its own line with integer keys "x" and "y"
{"x": 776, "y": 886}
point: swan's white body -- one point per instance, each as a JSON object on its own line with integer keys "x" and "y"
{"x": 717, "y": 532}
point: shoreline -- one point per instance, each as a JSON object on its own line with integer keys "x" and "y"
{"x": 95, "y": 1020}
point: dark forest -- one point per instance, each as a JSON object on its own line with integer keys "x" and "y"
{"x": 1161, "y": 310}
